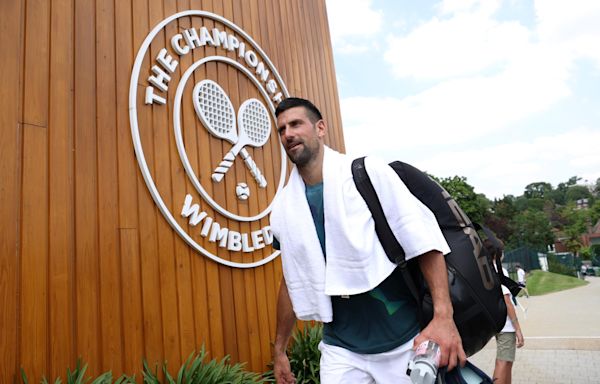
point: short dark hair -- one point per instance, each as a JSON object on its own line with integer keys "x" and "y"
{"x": 292, "y": 102}
{"x": 494, "y": 249}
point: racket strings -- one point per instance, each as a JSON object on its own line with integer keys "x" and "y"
{"x": 216, "y": 107}
{"x": 256, "y": 122}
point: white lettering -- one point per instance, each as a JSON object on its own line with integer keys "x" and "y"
{"x": 262, "y": 72}
{"x": 218, "y": 233}
{"x": 220, "y": 38}
{"x": 271, "y": 86}
{"x": 191, "y": 38}
{"x": 233, "y": 43}
{"x": 151, "y": 97}
{"x": 166, "y": 60}
{"x": 160, "y": 78}
{"x": 178, "y": 48}
{"x": 251, "y": 59}
{"x": 245, "y": 246}
{"x": 234, "y": 241}
{"x": 192, "y": 210}
{"x": 268, "y": 235}
{"x": 278, "y": 97}
{"x": 206, "y": 227}
{"x": 206, "y": 37}
{"x": 242, "y": 50}
{"x": 257, "y": 239}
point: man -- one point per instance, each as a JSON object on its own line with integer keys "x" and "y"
{"x": 521, "y": 279}
{"x": 336, "y": 271}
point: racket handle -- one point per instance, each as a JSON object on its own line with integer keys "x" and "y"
{"x": 223, "y": 167}
{"x": 260, "y": 179}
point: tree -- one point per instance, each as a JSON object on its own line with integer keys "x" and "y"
{"x": 474, "y": 205}
{"x": 597, "y": 188}
{"x": 501, "y": 215}
{"x": 538, "y": 190}
{"x": 575, "y": 222}
{"x": 523, "y": 203}
{"x": 532, "y": 229}
{"x": 576, "y": 192}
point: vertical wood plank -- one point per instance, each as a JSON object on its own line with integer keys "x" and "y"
{"x": 61, "y": 226}
{"x": 11, "y": 39}
{"x": 198, "y": 263}
{"x": 166, "y": 260}
{"x": 86, "y": 189}
{"x": 151, "y": 297}
{"x": 128, "y": 180}
{"x": 34, "y": 226}
{"x": 37, "y": 50}
{"x": 108, "y": 204}
{"x": 182, "y": 254}
{"x": 34, "y": 253}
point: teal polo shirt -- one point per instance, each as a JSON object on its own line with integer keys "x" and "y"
{"x": 372, "y": 322}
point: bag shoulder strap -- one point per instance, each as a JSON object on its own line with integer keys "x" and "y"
{"x": 392, "y": 248}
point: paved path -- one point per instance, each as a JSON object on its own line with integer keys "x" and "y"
{"x": 562, "y": 338}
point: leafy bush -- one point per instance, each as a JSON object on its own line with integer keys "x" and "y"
{"x": 555, "y": 266}
{"x": 78, "y": 377}
{"x": 304, "y": 355}
{"x": 194, "y": 371}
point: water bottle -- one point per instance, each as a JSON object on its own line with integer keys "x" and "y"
{"x": 422, "y": 368}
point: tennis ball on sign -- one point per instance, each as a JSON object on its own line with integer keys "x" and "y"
{"x": 242, "y": 191}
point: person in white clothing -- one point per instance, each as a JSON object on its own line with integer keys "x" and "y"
{"x": 521, "y": 279}
{"x": 510, "y": 337}
{"x": 335, "y": 270}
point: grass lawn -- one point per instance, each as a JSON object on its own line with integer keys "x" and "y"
{"x": 540, "y": 282}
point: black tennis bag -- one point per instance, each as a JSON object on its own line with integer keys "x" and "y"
{"x": 474, "y": 284}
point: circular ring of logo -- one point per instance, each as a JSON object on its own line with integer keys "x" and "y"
{"x": 136, "y": 138}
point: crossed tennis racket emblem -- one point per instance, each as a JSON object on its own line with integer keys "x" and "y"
{"x": 215, "y": 110}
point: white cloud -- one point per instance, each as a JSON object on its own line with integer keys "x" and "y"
{"x": 572, "y": 27}
{"x": 464, "y": 44}
{"x": 484, "y": 75}
{"x": 458, "y": 6}
{"x": 352, "y": 24}
{"x": 508, "y": 168}
{"x": 455, "y": 111}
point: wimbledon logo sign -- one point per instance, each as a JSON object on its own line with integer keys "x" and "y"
{"x": 202, "y": 100}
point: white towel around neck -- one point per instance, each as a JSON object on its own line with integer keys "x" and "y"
{"x": 356, "y": 261}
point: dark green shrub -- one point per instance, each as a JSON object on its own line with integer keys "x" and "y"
{"x": 304, "y": 355}
{"x": 196, "y": 371}
{"x": 77, "y": 376}
{"x": 554, "y": 265}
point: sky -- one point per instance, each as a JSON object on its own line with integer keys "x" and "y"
{"x": 502, "y": 92}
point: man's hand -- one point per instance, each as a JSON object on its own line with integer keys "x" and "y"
{"x": 285, "y": 323}
{"x": 282, "y": 370}
{"x": 443, "y": 331}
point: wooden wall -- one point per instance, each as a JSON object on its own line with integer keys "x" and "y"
{"x": 89, "y": 267}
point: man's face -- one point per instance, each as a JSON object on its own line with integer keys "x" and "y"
{"x": 299, "y": 136}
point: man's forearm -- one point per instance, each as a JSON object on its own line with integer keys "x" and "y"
{"x": 285, "y": 319}
{"x": 433, "y": 267}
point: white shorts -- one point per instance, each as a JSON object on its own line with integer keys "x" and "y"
{"x": 340, "y": 366}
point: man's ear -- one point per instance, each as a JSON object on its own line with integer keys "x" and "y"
{"x": 321, "y": 126}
